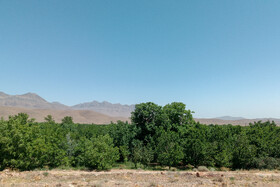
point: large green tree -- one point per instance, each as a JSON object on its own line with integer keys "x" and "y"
{"x": 148, "y": 117}
{"x": 178, "y": 115}
{"x": 169, "y": 151}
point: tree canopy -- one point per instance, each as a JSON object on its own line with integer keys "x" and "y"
{"x": 166, "y": 135}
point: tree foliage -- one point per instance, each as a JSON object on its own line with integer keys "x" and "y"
{"x": 100, "y": 153}
{"x": 169, "y": 150}
{"x": 166, "y": 135}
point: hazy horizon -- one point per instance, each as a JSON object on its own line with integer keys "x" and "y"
{"x": 224, "y": 117}
{"x": 220, "y": 58}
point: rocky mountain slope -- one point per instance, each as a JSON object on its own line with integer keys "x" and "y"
{"x": 34, "y": 101}
{"x": 29, "y": 100}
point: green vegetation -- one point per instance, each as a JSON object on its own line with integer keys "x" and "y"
{"x": 157, "y": 136}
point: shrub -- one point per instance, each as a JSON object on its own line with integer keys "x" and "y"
{"x": 267, "y": 163}
{"x": 202, "y": 168}
{"x": 100, "y": 153}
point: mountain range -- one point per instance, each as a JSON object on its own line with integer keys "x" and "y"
{"x": 34, "y": 101}
{"x": 239, "y": 121}
{"x": 107, "y": 108}
{"x": 38, "y": 108}
{"x": 29, "y": 100}
{"x": 89, "y": 112}
{"x": 230, "y": 118}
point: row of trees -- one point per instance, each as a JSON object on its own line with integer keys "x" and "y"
{"x": 166, "y": 136}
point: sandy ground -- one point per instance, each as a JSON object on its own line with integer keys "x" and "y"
{"x": 137, "y": 178}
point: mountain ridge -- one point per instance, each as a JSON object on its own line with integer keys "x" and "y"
{"x": 79, "y": 116}
{"x": 106, "y": 108}
{"x": 34, "y": 101}
{"x": 31, "y": 101}
{"x": 243, "y": 122}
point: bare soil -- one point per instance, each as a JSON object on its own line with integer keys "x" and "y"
{"x": 137, "y": 178}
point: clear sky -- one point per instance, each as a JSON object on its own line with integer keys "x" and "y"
{"x": 219, "y": 57}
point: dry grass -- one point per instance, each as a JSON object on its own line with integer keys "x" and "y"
{"x": 139, "y": 178}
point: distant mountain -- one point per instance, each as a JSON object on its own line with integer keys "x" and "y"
{"x": 79, "y": 116}
{"x": 107, "y": 108}
{"x": 216, "y": 121}
{"x": 29, "y": 100}
{"x": 34, "y": 101}
{"x": 230, "y": 118}
{"x": 2, "y": 94}
{"x": 234, "y": 120}
{"x": 90, "y": 112}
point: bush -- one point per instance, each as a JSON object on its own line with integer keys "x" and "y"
{"x": 100, "y": 153}
{"x": 202, "y": 168}
{"x": 267, "y": 163}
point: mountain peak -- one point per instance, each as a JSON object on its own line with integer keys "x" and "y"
{"x": 28, "y": 100}
{"x": 31, "y": 95}
{"x": 34, "y": 101}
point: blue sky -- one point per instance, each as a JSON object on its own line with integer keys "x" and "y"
{"x": 218, "y": 57}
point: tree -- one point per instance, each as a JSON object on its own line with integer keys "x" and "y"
{"x": 147, "y": 155}
{"x": 169, "y": 151}
{"x": 15, "y": 136}
{"x": 177, "y": 114}
{"x": 196, "y": 146}
{"x": 49, "y": 119}
{"x": 124, "y": 153}
{"x": 243, "y": 153}
{"x": 137, "y": 152}
{"x": 67, "y": 120}
{"x": 122, "y": 133}
{"x": 147, "y": 117}
{"x": 100, "y": 153}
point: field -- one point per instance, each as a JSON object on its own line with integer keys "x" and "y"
{"x": 123, "y": 177}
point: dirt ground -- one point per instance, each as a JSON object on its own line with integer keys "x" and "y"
{"x": 137, "y": 178}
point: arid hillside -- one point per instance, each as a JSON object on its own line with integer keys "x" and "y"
{"x": 242, "y": 122}
{"x": 106, "y": 108}
{"x": 79, "y": 116}
{"x": 90, "y": 112}
{"x": 29, "y": 100}
{"x": 34, "y": 101}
